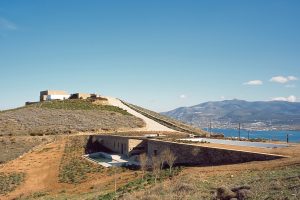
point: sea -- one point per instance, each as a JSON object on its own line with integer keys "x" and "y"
{"x": 293, "y": 136}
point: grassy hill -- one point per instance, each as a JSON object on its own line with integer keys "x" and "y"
{"x": 63, "y": 117}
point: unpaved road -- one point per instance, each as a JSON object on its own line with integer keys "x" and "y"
{"x": 151, "y": 125}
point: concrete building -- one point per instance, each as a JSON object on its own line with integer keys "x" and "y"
{"x": 121, "y": 145}
{"x": 186, "y": 154}
{"x": 49, "y": 95}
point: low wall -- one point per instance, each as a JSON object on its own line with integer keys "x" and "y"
{"x": 188, "y": 154}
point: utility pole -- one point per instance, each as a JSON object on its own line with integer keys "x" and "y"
{"x": 239, "y": 131}
{"x": 115, "y": 178}
{"x": 287, "y": 138}
{"x": 248, "y": 134}
{"x": 210, "y": 126}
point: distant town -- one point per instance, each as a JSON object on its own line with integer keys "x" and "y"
{"x": 262, "y": 126}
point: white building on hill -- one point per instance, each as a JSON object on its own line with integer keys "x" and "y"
{"x": 49, "y": 95}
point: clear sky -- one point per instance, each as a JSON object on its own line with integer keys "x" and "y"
{"x": 157, "y": 54}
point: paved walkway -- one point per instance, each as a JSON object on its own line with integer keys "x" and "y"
{"x": 151, "y": 125}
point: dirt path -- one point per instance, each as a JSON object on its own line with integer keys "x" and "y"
{"x": 151, "y": 125}
{"x": 41, "y": 169}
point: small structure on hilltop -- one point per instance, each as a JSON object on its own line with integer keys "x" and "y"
{"x": 83, "y": 96}
{"x": 49, "y": 95}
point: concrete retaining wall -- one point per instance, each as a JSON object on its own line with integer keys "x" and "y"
{"x": 189, "y": 154}
{"x": 117, "y": 144}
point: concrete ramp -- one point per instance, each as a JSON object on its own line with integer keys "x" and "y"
{"x": 151, "y": 125}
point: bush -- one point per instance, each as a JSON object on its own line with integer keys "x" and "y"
{"x": 8, "y": 182}
{"x": 79, "y": 105}
{"x": 141, "y": 183}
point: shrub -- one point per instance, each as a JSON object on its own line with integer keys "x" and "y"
{"x": 79, "y": 105}
{"x": 8, "y": 182}
{"x": 73, "y": 168}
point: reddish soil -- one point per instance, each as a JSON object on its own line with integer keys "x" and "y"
{"x": 41, "y": 168}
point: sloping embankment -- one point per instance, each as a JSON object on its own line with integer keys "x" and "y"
{"x": 170, "y": 123}
{"x": 151, "y": 123}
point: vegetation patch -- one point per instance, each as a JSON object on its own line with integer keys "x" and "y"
{"x": 9, "y": 182}
{"x": 73, "y": 168}
{"x": 66, "y": 117}
{"x": 156, "y": 165}
{"x": 79, "y": 105}
{"x": 12, "y": 147}
{"x": 281, "y": 183}
{"x": 140, "y": 184}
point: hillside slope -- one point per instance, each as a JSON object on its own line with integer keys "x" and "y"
{"x": 68, "y": 116}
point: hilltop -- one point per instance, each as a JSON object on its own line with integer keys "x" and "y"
{"x": 76, "y": 115}
{"x": 65, "y": 117}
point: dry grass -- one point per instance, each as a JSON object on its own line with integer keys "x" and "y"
{"x": 56, "y": 119}
{"x": 8, "y": 182}
{"x": 280, "y": 183}
{"x": 79, "y": 105}
{"x": 74, "y": 169}
{"x": 12, "y": 147}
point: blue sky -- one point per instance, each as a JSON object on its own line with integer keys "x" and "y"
{"x": 157, "y": 54}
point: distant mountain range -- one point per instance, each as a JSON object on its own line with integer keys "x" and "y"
{"x": 228, "y": 113}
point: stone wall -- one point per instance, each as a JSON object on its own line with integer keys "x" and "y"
{"x": 188, "y": 154}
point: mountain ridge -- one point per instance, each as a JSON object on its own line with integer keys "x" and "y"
{"x": 270, "y": 114}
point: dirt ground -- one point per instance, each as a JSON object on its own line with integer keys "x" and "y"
{"x": 13, "y": 147}
{"x": 41, "y": 168}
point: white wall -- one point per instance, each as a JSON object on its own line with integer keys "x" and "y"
{"x": 57, "y": 97}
